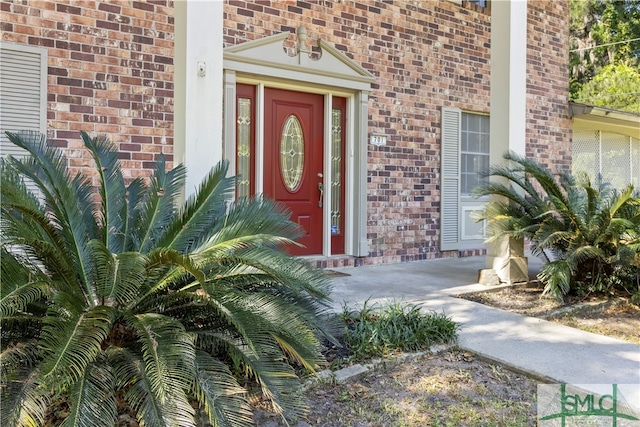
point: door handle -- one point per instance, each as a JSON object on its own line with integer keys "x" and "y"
{"x": 321, "y": 189}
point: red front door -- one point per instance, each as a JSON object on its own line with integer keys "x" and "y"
{"x": 293, "y": 166}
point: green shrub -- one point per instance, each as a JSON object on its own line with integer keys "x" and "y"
{"x": 378, "y": 331}
{"x": 118, "y": 298}
{"x": 589, "y": 235}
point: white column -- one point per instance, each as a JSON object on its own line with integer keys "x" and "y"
{"x": 327, "y": 174}
{"x": 230, "y": 124}
{"x": 198, "y": 87}
{"x": 361, "y": 247}
{"x": 508, "y": 116}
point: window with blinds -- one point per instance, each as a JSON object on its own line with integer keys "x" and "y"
{"x": 464, "y": 156}
{"x": 23, "y": 105}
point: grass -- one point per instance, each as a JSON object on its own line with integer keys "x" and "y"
{"x": 616, "y": 318}
{"x": 448, "y": 389}
{"x": 382, "y": 330}
{"x": 452, "y": 396}
{"x": 445, "y": 389}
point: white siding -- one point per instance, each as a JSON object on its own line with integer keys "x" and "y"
{"x": 613, "y": 156}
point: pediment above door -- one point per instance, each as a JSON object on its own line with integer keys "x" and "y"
{"x": 326, "y": 66}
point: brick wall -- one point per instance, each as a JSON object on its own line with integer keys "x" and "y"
{"x": 110, "y": 71}
{"x": 424, "y": 55}
{"x": 548, "y": 123}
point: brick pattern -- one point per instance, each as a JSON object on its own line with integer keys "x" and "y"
{"x": 548, "y": 124}
{"x": 110, "y": 71}
{"x": 424, "y": 54}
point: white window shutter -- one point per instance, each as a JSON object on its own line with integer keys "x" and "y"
{"x": 23, "y": 104}
{"x": 450, "y": 178}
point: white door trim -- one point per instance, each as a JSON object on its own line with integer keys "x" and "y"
{"x": 264, "y": 63}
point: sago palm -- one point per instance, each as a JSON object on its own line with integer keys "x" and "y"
{"x": 588, "y": 235}
{"x": 116, "y": 296}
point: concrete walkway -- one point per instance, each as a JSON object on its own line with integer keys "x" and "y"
{"x": 552, "y": 352}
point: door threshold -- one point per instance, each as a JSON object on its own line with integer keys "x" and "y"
{"x": 333, "y": 261}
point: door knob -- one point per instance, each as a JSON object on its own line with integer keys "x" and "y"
{"x": 321, "y": 189}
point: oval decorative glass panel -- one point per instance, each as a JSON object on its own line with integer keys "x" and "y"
{"x": 292, "y": 153}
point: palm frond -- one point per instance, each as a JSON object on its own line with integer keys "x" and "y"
{"x": 549, "y": 237}
{"x": 41, "y": 259}
{"x": 270, "y": 329}
{"x": 66, "y": 198}
{"x": 93, "y": 401}
{"x": 225, "y": 402}
{"x": 156, "y": 382}
{"x": 620, "y": 199}
{"x": 278, "y": 382}
{"x": 130, "y": 210}
{"x": 508, "y": 192}
{"x": 278, "y": 268}
{"x": 169, "y": 266}
{"x": 110, "y": 296}
{"x": 20, "y": 297}
{"x": 128, "y": 276}
{"x": 48, "y": 167}
{"x": 613, "y": 230}
{"x": 556, "y": 276}
{"x": 540, "y": 174}
{"x": 22, "y": 326}
{"x": 306, "y": 354}
{"x": 157, "y": 209}
{"x": 26, "y": 230}
{"x": 230, "y": 247}
{"x": 112, "y": 190}
{"x": 201, "y": 212}
{"x": 118, "y": 278}
{"x": 583, "y": 253}
{"x": 266, "y": 364}
{"x": 168, "y": 353}
{"x": 257, "y": 217}
{"x": 16, "y": 356}
{"x": 288, "y": 326}
{"x": 72, "y": 340}
{"x": 24, "y": 402}
{"x": 131, "y": 377}
{"x": 14, "y": 190}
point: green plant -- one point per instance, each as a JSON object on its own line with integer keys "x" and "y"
{"x": 615, "y": 86}
{"x": 588, "y": 235}
{"x": 377, "y": 331}
{"x": 114, "y": 299}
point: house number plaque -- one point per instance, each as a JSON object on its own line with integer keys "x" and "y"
{"x": 378, "y": 139}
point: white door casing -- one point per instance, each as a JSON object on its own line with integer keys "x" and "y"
{"x": 264, "y": 63}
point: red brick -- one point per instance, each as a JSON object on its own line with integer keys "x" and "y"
{"x": 423, "y": 54}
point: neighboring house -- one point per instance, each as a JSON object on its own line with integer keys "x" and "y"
{"x": 369, "y": 119}
{"x": 606, "y": 142}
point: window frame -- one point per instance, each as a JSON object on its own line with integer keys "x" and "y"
{"x": 6, "y": 147}
{"x": 464, "y": 193}
{"x": 246, "y": 91}
{"x": 454, "y": 207}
